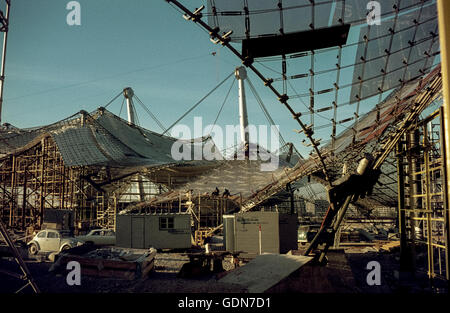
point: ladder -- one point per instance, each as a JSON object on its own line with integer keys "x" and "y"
{"x": 26, "y": 275}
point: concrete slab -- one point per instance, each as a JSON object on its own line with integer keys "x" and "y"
{"x": 265, "y": 271}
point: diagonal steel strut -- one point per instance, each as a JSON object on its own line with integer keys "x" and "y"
{"x": 26, "y": 273}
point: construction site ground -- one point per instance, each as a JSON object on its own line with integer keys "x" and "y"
{"x": 345, "y": 272}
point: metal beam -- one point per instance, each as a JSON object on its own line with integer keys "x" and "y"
{"x": 444, "y": 33}
{"x": 26, "y": 272}
{"x": 445, "y": 197}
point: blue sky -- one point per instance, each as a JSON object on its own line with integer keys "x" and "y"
{"x": 54, "y": 70}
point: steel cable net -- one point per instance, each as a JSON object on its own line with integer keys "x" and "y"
{"x": 351, "y": 96}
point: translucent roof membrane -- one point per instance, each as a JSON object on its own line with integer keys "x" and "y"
{"x": 334, "y": 87}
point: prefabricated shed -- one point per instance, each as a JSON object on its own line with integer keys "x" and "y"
{"x": 161, "y": 231}
{"x": 278, "y": 232}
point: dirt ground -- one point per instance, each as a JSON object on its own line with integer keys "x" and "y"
{"x": 163, "y": 279}
{"x": 344, "y": 273}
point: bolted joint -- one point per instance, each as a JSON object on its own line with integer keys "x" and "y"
{"x": 268, "y": 82}
{"x": 214, "y": 32}
{"x": 283, "y": 98}
{"x": 248, "y": 61}
{"x": 309, "y": 131}
{"x": 197, "y": 17}
{"x": 225, "y": 41}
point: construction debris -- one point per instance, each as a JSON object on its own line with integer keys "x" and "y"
{"x": 388, "y": 246}
{"x": 201, "y": 263}
{"x": 109, "y": 262}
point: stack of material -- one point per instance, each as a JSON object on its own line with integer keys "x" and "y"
{"x": 109, "y": 262}
{"x": 387, "y": 245}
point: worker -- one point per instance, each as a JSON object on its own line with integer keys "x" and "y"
{"x": 226, "y": 193}
{"x": 247, "y": 150}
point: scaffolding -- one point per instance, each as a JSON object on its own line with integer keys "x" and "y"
{"x": 36, "y": 179}
{"x": 423, "y": 213}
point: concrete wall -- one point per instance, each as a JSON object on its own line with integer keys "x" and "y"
{"x": 142, "y": 231}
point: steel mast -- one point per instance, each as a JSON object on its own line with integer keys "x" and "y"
{"x": 241, "y": 75}
{"x": 4, "y": 20}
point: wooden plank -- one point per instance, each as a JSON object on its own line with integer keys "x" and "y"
{"x": 265, "y": 271}
{"x": 130, "y": 275}
{"x": 146, "y": 270}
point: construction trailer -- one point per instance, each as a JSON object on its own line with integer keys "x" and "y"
{"x": 160, "y": 231}
{"x": 206, "y": 211}
{"x": 58, "y": 219}
{"x": 255, "y": 233}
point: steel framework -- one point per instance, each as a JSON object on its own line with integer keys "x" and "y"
{"x": 36, "y": 179}
{"x": 423, "y": 210}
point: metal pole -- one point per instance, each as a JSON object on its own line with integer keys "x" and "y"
{"x": 128, "y": 93}
{"x": 445, "y": 196}
{"x": 259, "y": 240}
{"x": 5, "y": 41}
{"x": 404, "y": 255}
{"x": 444, "y": 33}
{"x": 426, "y": 145}
{"x": 241, "y": 75}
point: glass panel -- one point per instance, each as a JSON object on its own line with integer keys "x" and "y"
{"x": 42, "y": 234}
{"x": 163, "y": 223}
{"x": 52, "y": 235}
{"x": 170, "y": 223}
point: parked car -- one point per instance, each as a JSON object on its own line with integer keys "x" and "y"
{"x": 101, "y": 237}
{"x": 306, "y": 233}
{"x": 50, "y": 240}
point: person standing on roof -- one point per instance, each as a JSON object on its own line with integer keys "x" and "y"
{"x": 226, "y": 193}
